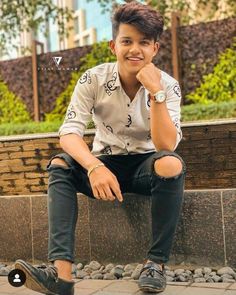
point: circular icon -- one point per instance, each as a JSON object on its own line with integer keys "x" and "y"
{"x": 16, "y": 278}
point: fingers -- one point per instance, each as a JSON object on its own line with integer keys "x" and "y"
{"x": 108, "y": 193}
{"x": 116, "y": 190}
{"x": 105, "y": 186}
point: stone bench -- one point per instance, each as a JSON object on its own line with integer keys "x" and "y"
{"x": 120, "y": 233}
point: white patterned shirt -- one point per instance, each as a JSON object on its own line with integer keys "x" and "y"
{"x": 122, "y": 125}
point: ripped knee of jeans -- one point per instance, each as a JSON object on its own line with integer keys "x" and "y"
{"x": 168, "y": 167}
{"x": 58, "y": 162}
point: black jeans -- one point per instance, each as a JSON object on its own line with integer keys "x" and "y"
{"x": 135, "y": 173}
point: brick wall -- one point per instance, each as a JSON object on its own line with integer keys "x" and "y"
{"x": 208, "y": 150}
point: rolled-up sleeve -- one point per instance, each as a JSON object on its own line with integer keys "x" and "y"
{"x": 79, "y": 111}
{"x": 173, "y": 105}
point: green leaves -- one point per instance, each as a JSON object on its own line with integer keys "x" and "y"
{"x": 26, "y": 15}
{"x": 219, "y": 110}
{"x": 12, "y": 109}
{"x": 189, "y": 12}
{"x": 220, "y": 85}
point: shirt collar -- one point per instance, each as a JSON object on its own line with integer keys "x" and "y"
{"x": 116, "y": 72}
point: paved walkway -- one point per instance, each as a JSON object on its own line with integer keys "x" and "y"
{"x": 100, "y": 287}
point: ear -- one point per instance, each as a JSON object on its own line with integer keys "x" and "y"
{"x": 156, "y": 48}
{"x": 112, "y": 46}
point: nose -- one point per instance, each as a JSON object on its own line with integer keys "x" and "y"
{"x": 134, "y": 49}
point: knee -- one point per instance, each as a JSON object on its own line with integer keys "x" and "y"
{"x": 60, "y": 162}
{"x": 168, "y": 166}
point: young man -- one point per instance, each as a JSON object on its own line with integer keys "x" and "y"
{"x": 136, "y": 109}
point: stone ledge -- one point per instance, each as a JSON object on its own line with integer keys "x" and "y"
{"x": 92, "y": 131}
{"x": 206, "y": 233}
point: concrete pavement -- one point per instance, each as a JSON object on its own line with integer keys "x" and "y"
{"x": 104, "y": 287}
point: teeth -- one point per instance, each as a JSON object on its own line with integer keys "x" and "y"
{"x": 133, "y": 58}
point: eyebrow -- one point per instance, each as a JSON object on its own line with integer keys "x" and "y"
{"x": 126, "y": 37}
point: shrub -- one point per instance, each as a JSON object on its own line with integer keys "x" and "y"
{"x": 210, "y": 111}
{"x": 28, "y": 128}
{"x": 99, "y": 54}
{"x": 12, "y": 109}
{"x": 220, "y": 85}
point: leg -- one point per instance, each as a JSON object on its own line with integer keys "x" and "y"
{"x": 66, "y": 177}
{"x": 167, "y": 187}
{"x": 64, "y": 266}
{"x": 62, "y": 212}
{"x": 162, "y": 175}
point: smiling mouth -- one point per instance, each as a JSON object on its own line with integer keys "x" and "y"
{"x": 134, "y": 58}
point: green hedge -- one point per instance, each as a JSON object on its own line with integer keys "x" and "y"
{"x": 195, "y": 112}
{"x": 192, "y": 112}
{"x": 12, "y": 109}
{"x": 220, "y": 85}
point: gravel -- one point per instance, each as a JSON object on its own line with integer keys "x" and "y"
{"x": 95, "y": 270}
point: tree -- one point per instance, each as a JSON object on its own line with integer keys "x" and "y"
{"x": 17, "y": 16}
{"x": 225, "y": 7}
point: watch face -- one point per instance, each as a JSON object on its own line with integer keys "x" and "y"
{"x": 160, "y": 97}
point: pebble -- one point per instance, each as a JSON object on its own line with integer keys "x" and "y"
{"x": 198, "y": 271}
{"x": 207, "y": 270}
{"x": 94, "y": 265}
{"x": 109, "y": 276}
{"x": 97, "y": 276}
{"x": 129, "y": 268}
{"x": 117, "y": 271}
{"x": 169, "y": 279}
{"x": 81, "y": 274}
{"x": 79, "y": 266}
{"x": 179, "y": 271}
{"x": 131, "y": 271}
{"x": 225, "y": 270}
{"x": 4, "y": 271}
{"x": 74, "y": 268}
{"x": 109, "y": 267}
{"x": 216, "y": 278}
{"x": 170, "y": 273}
{"x": 136, "y": 274}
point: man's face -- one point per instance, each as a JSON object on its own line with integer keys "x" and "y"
{"x": 132, "y": 49}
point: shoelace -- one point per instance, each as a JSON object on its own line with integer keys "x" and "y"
{"x": 151, "y": 271}
{"x": 50, "y": 270}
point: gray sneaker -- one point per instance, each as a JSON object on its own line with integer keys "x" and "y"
{"x": 44, "y": 279}
{"x": 152, "y": 278}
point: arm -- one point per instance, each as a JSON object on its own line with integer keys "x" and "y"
{"x": 164, "y": 131}
{"x": 103, "y": 182}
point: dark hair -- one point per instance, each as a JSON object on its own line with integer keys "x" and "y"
{"x": 143, "y": 17}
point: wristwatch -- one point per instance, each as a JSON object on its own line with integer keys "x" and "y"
{"x": 159, "y": 96}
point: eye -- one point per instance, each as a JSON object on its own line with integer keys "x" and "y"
{"x": 126, "y": 41}
{"x": 145, "y": 42}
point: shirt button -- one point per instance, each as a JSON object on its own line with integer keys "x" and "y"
{"x": 128, "y": 105}
{"x": 127, "y": 143}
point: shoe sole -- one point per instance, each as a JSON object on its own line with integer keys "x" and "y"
{"x": 31, "y": 282}
{"x": 150, "y": 289}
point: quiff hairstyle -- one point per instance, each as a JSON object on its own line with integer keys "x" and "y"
{"x": 147, "y": 20}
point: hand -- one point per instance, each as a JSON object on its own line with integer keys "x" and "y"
{"x": 105, "y": 185}
{"x": 150, "y": 77}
